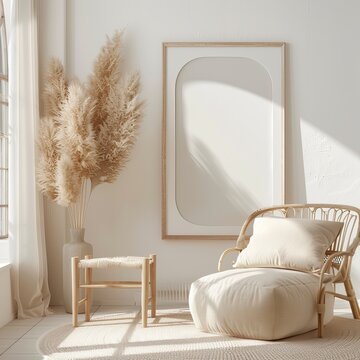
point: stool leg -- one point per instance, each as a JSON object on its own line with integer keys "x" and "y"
{"x": 144, "y": 290}
{"x": 75, "y": 285}
{"x": 153, "y": 285}
{"x": 87, "y": 291}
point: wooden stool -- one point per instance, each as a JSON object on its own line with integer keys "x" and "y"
{"x": 148, "y": 277}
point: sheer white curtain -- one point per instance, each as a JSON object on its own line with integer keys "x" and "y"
{"x": 26, "y": 224}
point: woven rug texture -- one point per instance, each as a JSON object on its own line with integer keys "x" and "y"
{"x": 172, "y": 335}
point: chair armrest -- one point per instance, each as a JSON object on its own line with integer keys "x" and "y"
{"x": 227, "y": 251}
{"x": 342, "y": 267}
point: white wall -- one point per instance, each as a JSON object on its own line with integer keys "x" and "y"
{"x": 323, "y": 91}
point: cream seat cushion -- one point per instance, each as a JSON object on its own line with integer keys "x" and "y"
{"x": 257, "y": 303}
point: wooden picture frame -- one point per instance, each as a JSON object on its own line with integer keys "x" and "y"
{"x": 235, "y": 74}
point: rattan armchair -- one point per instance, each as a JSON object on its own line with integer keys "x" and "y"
{"x": 337, "y": 262}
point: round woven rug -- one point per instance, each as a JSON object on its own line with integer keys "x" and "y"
{"x": 172, "y": 335}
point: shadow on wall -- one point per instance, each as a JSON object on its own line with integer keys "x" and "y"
{"x": 223, "y": 200}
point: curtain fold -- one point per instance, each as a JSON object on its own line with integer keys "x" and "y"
{"x": 26, "y": 219}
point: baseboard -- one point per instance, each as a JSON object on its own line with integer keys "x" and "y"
{"x": 342, "y": 304}
{"x": 167, "y": 294}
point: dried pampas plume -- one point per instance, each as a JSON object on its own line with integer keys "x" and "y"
{"x": 56, "y": 88}
{"x": 118, "y": 120}
{"x": 55, "y": 93}
{"x": 88, "y": 130}
{"x": 48, "y": 158}
{"x": 106, "y": 76}
{"x": 78, "y": 156}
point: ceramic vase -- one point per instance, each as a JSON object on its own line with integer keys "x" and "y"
{"x": 75, "y": 247}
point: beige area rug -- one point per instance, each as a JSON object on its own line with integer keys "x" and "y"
{"x": 172, "y": 335}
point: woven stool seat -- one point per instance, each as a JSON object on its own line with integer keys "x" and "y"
{"x": 147, "y": 284}
{"x": 111, "y": 262}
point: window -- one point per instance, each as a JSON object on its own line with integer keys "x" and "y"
{"x": 4, "y": 139}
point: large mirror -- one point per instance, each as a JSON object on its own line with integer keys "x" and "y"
{"x": 223, "y": 138}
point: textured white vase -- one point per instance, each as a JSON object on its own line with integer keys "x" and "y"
{"x": 76, "y": 247}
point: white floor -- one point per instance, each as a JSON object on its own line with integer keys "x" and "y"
{"x": 18, "y": 338}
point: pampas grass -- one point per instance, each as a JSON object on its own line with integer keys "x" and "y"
{"x": 106, "y": 76}
{"x": 77, "y": 146}
{"x": 48, "y": 157}
{"x": 88, "y": 130}
{"x": 115, "y": 142}
{"x": 56, "y": 88}
{"x": 55, "y": 93}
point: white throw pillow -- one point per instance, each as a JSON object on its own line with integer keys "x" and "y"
{"x": 289, "y": 243}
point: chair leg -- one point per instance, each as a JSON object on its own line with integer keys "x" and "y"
{"x": 353, "y": 301}
{"x": 321, "y": 312}
{"x": 153, "y": 285}
{"x": 87, "y": 291}
{"x": 320, "y": 325}
{"x": 144, "y": 290}
{"x": 75, "y": 285}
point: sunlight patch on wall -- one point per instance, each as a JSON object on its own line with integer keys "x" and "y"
{"x": 332, "y": 170}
